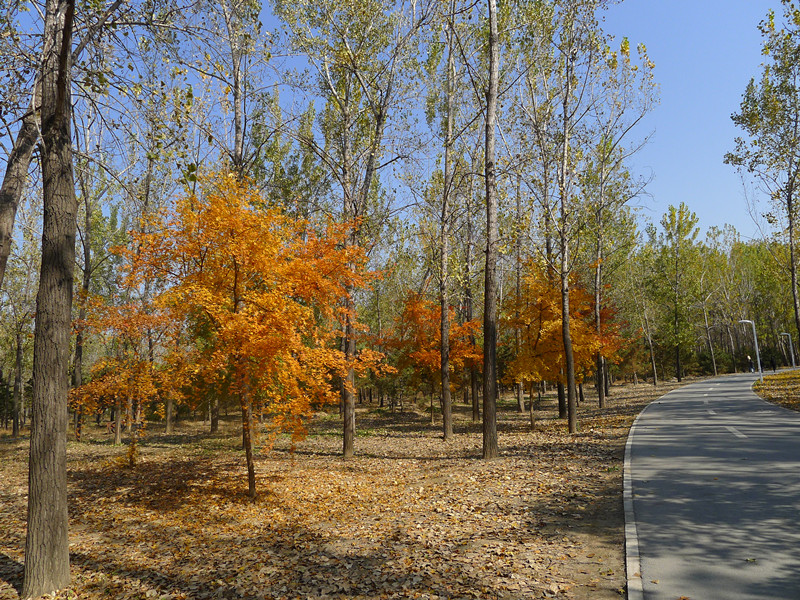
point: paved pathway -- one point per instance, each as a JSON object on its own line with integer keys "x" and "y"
{"x": 712, "y": 496}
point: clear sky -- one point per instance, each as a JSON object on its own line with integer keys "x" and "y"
{"x": 705, "y": 52}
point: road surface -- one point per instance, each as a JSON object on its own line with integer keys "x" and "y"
{"x": 712, "y": 488}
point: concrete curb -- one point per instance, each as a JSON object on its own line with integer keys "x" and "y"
{"x": 633, "y": 565}
{"x": 633, "y": 569}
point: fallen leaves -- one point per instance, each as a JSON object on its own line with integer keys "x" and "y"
{"x": 782, "y": 388}
{"x": 409, "y": 517}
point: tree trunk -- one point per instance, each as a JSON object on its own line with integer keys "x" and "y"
{"x": 77, "y": 362}
{"x": 215, "y": 414}
{"x": 247, "y": 437}
{"x": 168, "y": 416}
{"x": 17, "y": 401}
{"x": 118, "y": 423}
{"x": 47, "y": 543}
{"x": 564, "y": 249}
{"x": 473, "y": 371}
{"x": 490, "y": 447}
{"x": 733, "y": 349}
{"x": 349, "y": 404}
{"x": 562, "y": 401}
{"x": 14, "y": 181}
{"x": 444, "y": 246}
{"x": 708, "y": 340}
{"x": 530, "y": 407}
{"x": 520, "y": 391}
{"x": 598, "y": 289}
{"x": 792, "y": 251}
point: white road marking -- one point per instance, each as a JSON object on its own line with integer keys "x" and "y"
{"x": 736, "y": 432}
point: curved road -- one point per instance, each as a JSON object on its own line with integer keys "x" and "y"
{"x": 712, "y": 496}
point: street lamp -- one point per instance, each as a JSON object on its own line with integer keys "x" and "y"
{"x": 791, "y": 350}
{"x": 755, "y": 339}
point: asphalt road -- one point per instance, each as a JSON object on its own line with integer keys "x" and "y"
{"x": 713, "y": 488}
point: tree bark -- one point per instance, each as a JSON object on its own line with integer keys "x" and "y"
{"x": 444, "y": 244}
{"x": 247, "y": 438}
{"x": 16, "y": 175}
{"x": 490, "y": 447}
{"x": 77, "y": 362}
{"x": 168, "y": 413}
{"x": 518, "y": 386}
{"x": 790, "y": 212}
{"x": 118, "y": 422}
{"x": 564, "y": 264}
{"x": 473, "y": 371}
{"x": 598, "y": 287}
{"x": 17, "y": 401}
{"x": 215, "y": 414}
{"x": 562, "y": 401}
{"x": 47, "y": 543}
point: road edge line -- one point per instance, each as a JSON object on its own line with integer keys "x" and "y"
{"x": 633, "y": 566}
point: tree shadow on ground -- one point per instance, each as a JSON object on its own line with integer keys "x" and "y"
{"x": 11, "y": 572}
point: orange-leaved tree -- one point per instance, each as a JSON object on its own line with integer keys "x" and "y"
{"x": 265, "y": 289}
{"x": 125, "y": 378}
{"x": 417, "y": 340}
{"x": 538, "y": 319}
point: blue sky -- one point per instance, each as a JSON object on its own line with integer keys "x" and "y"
{"x": 705, "y": 52}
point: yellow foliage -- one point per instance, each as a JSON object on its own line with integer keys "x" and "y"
{"x": 538, "y": 319}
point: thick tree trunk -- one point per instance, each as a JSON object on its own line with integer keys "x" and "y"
{"x": 47, "y": 542}
{"x": 490, "y": 447}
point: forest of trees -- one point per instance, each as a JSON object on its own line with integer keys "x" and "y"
{"x": 266, "y": 209}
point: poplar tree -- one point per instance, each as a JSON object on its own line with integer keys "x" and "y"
{"x": 769, "y": 115}
{"x": 47, "y": 541}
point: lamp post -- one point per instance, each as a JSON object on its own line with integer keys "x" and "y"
{"x": 755, "y": 339}
{"x": 791, "y": 350}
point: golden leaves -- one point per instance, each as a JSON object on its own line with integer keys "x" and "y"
{"x": 538, "y": 318}
{"x": 259, "y": 291}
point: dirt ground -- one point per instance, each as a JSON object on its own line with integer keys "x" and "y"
{"x": 409, "y": 517}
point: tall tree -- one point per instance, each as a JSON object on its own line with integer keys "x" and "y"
{"x": 47, "y": 542}
{"x": 19, "y": 158}
{"x": 769, "y": 115}
{"x": 626, "y": 96}
{"x": 357, "y": 50}
{"x": 674, "y": 279}
{"x": 490, "y": 447}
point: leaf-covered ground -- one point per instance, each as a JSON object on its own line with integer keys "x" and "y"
{"x": 781, "y": 388}
{"x": 409, "y": 517}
